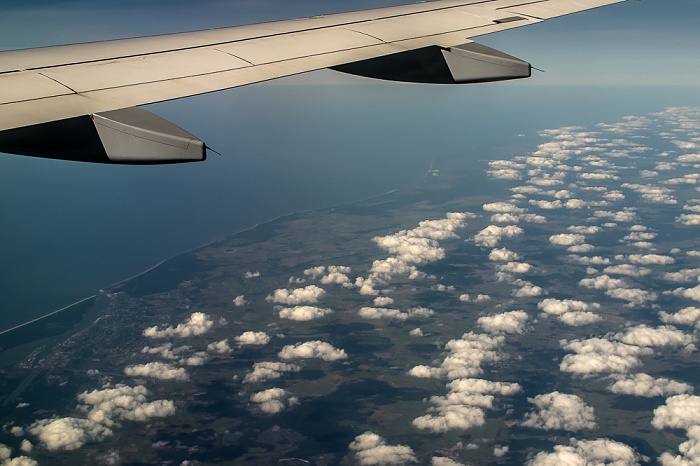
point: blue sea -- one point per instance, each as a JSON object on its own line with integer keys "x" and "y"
{"x": 69, "y": 229}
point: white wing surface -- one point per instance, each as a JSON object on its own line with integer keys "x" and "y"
{"x": 39, "y": 86}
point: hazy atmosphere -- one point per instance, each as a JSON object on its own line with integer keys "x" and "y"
{"x": 370, "y": 272}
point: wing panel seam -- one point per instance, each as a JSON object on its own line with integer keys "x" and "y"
{"x": 266, "y": 36}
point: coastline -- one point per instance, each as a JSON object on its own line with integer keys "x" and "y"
{"x": 11, "y": 341}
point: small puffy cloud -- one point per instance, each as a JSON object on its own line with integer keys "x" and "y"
{"x": 382, "y": 301}
{"x": 268, "y": 370}
{"x": 505, "y": 218}
{"x": 239, "y": 301}
{"x": 634, "y": 296}
{"x": 577, "y": 319}
{"x": 603, "y": 282}
{"x": 219, "y": 347}
{"x": 157, "y": 370}
{"x": 506, "y": 322}
{"x": 382, "y": 313}
{"x": 464, "y": 357}
{"x": 416, "y": 332}
{"x": 588, "y": 452}
{"x": 492, "y": 234}
{"x": 575, "y": 204}
{"x": 499, "y": 451}
{"x": 560, "y": 411}
{"x": 444, "y": 461}
{"x": 315, "y": 272}
{"x": 26, "y": 447}
{"x": 451, "y": 417}
{"x": 627, "y": 270}
{"x": 309, "y": 294}
{"x": 198, "y": 323}
{"x": 593, "y": 260}
{"x": 547, "y": 205}
{"x": 689, "y": 158}
{"x": 503, "y": 207}
{"x": 690, "y": 451}
{"x": 528, "y": 290}
{"x": 515, "y": 267}
{"x": 6, "y": 453}
{"x": 472, "y": 386}
{"x": 567, "y": 239}
{"x": 312, "y": 349}
{"x": 679, "y": 412}
{"x": 166, "y": 350}
{"x": 463, "y": 407}
{"x": 584, "y": 229}
{"x": 444, "y": 288}
{"x": 250, "y": 274}
{"x": 303, "y": 313}
{"x": 532, "y": 218}
{"x": 688, "y": 219}
{"x": 683, "y": 276}
{"x": 371, "y": 449}
{"x": 504, "y": 174}
{"x": 686, "y": 316}
{"x": 383, "y": 270}
{"x": 651, "y": 193}
{"x": 561, "y": 306}
{"x": 123, "y": 402}
{"x": 627, "y": 215}
{"x": 570, "y": 312}
{"x": 650, "y": 259}
{"x": 252, "y": 338}
{"x": 503, "y": 255}
{"x": 68, "y": 433}
{"x": 102, "y": 408}
{"x": 336, "y": 275}
{"x": 409, "y": 248}
{"x": 421, "y": 312}
{"x": 598, "y": 355}
{"x": 581, "y": 248}
{"x": 647, "y": 386}
{"x": 642, "y": 335}
{"x": 273, "y": 400}
{"x": 690, "y": 293}
{"x": 598, "y": 176}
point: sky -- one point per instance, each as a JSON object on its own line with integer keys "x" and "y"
{"x": 332, "y": 139}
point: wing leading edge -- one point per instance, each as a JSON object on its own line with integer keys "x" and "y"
{"x": 55, "y": 94}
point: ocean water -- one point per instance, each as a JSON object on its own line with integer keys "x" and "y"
{"x": 69, "y": 229}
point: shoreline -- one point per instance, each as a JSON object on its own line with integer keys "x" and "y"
{"x": 210, "y": 242}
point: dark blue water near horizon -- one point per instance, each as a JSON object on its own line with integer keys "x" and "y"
{"x": 69, "y": 229}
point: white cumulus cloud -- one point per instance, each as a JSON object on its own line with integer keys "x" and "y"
{"x": 273, "y": 400}
{"x": 303, "y": 313}
{"x": 252, "y": 338}
{"x": 560, "y": 411}
{"x": 198, "y": 323}
{"x": 506, "y": 322}
{"x": 312, "y": 350}
{"x": 309, "y": 294}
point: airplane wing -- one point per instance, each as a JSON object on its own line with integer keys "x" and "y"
{"x": 79, "y": 102}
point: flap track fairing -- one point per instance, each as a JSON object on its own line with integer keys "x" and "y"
{"x": 462, "y": 64}
{"x": 126, "y": 136}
